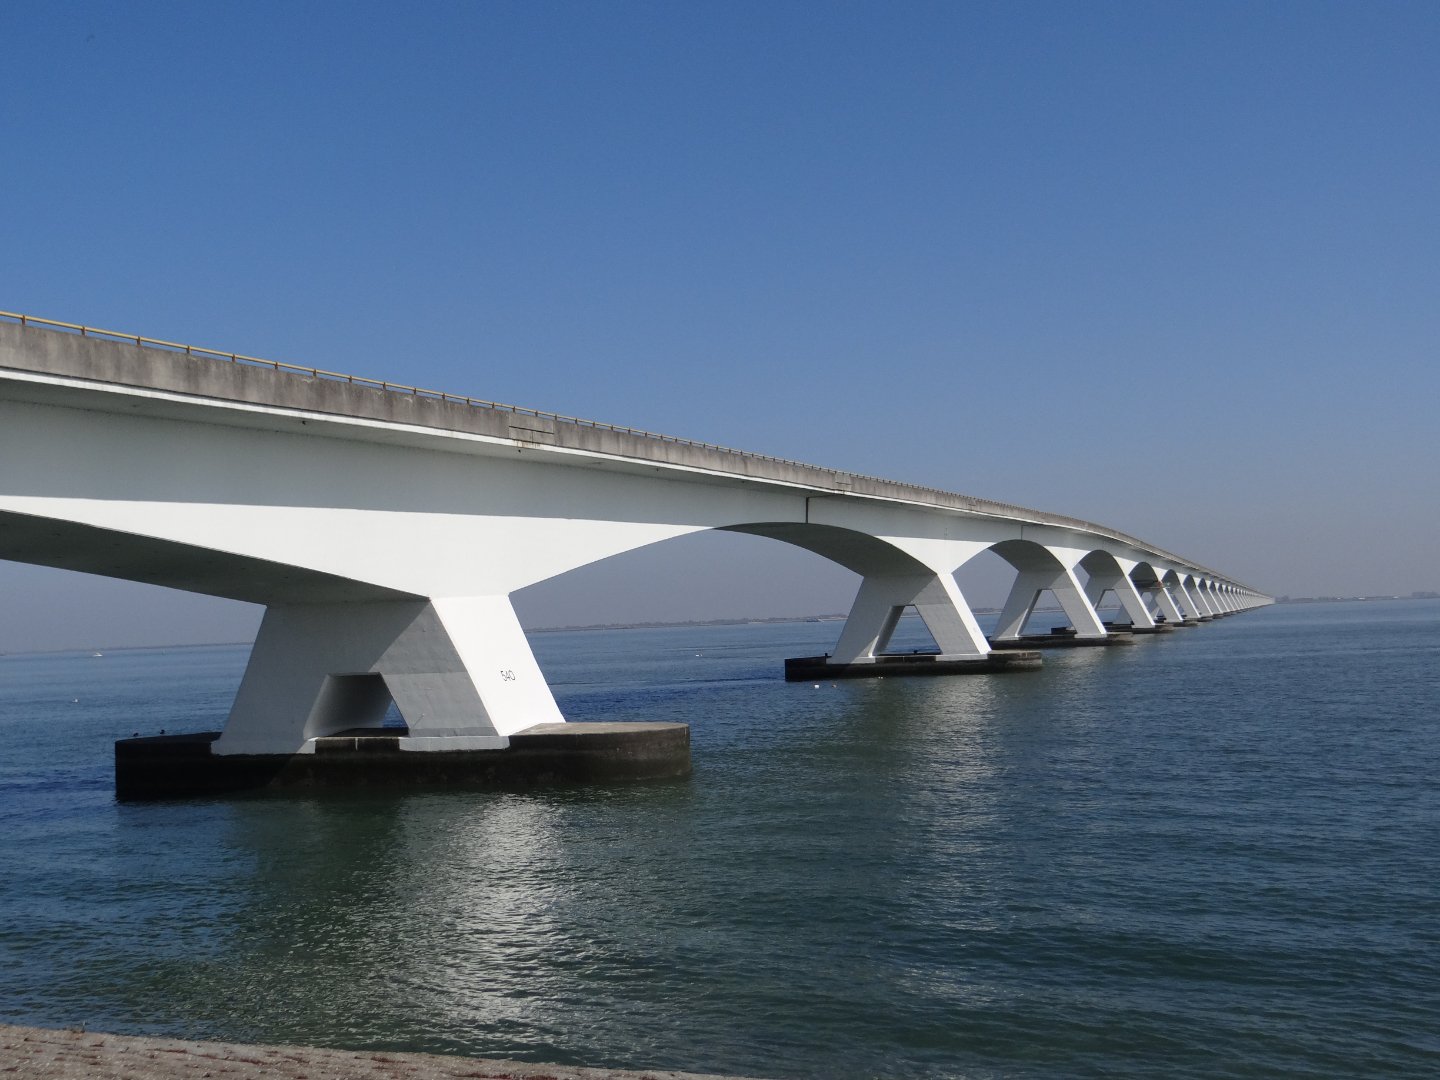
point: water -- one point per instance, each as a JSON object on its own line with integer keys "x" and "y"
{"x": 1215, "y": 854}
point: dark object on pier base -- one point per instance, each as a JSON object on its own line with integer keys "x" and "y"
{"x": 1131, "y": 628}
{"x": 167, "y": 766}
{"x": 817, "y": 669}
{"x": 1062, "y": 637}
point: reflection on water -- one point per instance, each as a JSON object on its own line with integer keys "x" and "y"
{"x": 1180, "y": 858}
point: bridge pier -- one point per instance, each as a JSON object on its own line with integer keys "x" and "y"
{"x": 1164, "y": 603}
{"x": 881, "y": 601}
{"x": 1188, "y": 604}
{"x": 1107, "y": 575}
{"x": 167, "y": 766}
{"x": 1025, "y": 594}
{"x": 459, "y": 670}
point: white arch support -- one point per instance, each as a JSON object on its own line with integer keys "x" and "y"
{"x": 459, "y": 670}
{"x": 1041, "y": 567}
{"x": 1109, "y": 574}
{"x": 1186, "y": 598}
{"x": 883, "y": 599}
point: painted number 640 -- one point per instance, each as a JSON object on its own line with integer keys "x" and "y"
{"x": 508, "y": 676}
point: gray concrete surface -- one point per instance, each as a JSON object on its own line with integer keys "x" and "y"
{"x": 107, "y": 360}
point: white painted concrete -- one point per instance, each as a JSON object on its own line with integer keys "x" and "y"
{"x": 1165, "y": 602}
{"x": 1109, "y": 574}
{"x": 1181, "y": 591}
{"x": 386, "y": 551}
{"x": 880, "y": 603}
{"x": 1041, "y": 567}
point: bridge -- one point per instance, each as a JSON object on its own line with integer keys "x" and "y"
{"x": 384, "y": 528}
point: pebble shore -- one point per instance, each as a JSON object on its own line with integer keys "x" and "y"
{"x": 43, "y": 1054}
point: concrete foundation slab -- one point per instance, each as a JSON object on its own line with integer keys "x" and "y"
{"x": 818, "y": 668}
{"x": 168, "y": 766}
{"x": 1062, "y": 640}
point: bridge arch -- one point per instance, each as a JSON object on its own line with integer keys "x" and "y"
{"x": 1039, "y": 569}
{"x": 1108, "y": 575}
{"x": 1156, "y": 582}
{"x": 892, "y": 579}
{"x": 1185, "y": 592}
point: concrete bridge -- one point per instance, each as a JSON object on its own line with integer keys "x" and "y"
{"x": 384, "y": 528}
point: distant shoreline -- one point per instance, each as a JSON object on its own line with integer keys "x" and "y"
{"x": 725, "y": 622}
{"x": 102, "y": 649}
{"x": 1353, "y": 599}
{"x": 777, "y": 620}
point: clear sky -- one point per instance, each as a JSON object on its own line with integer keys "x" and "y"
{"x": 1170, "y": 267}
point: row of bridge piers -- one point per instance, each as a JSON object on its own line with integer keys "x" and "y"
{"x": 1150, "y": 600}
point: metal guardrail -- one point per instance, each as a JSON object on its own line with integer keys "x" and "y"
{"x": 401, "y": 388}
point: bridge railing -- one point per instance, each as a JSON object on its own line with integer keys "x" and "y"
{"x": 985, "y": 506}
{"x": 438, "y": 395}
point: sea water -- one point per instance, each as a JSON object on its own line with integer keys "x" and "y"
{"x": 1213, "y": 854}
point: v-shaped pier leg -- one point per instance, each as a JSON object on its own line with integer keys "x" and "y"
{"x": 1025, "y": 593}
{"x": 459, "y": 670}
{"x": 1124, "y": 589}
{"x": 881, "y": 601}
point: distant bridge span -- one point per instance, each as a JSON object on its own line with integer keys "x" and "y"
{"x": 385, "y": 528}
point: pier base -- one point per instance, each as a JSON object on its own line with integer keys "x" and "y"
{"x": 818, "y": 669}
{"x": 1062, "y": 638}
{"x": 1128, "y": 628}
{"x": 168, "y": 766}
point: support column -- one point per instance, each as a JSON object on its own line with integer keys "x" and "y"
{"x": 1024, "y": 594}
{"x": 1120, "y": 584}
{"x": 1187, "y": 602}
{"x": 1165, "y": 604}
{"x": 881, "y": 601}
{"x": 459, "y": 670}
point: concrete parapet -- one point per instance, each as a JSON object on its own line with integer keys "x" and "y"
{"x": 107, "y": 360}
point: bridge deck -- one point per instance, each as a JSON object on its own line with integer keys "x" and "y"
{"x": 108, "y": 360}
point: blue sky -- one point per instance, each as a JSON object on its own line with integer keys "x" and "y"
{"x": 1170, "y": 267}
